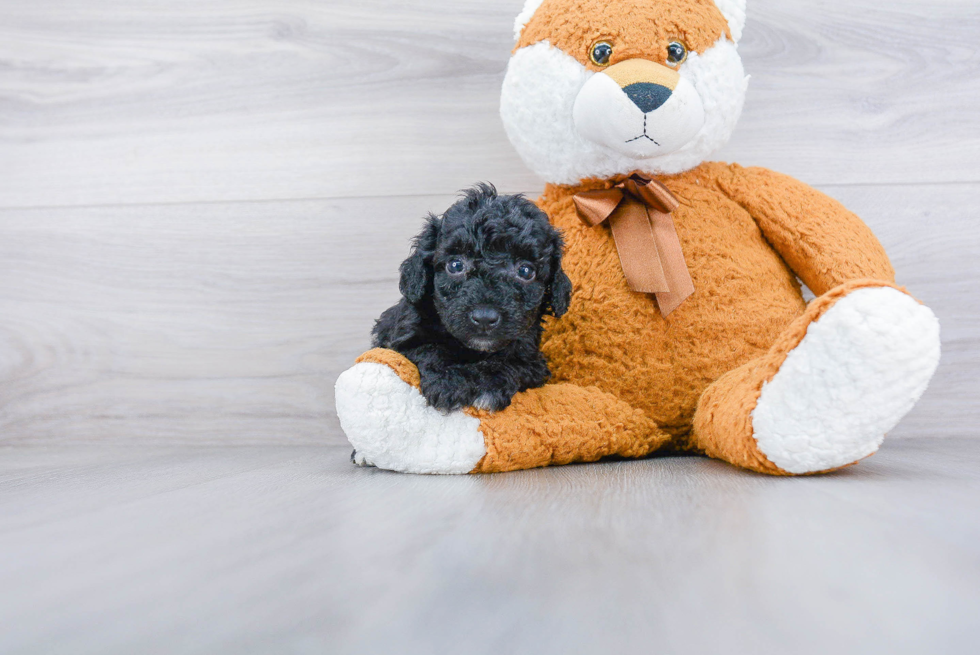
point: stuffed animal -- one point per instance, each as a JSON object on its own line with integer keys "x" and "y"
{"x": 688, "y": 330}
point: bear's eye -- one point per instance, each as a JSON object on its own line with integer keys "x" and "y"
{"x": 456, "y": 267}
{"x": 525, "y": 272}
{"x": 601, "y": 53}
{"x": 676, "y": 53}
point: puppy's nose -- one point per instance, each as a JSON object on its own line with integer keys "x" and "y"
{"x": 485, "y": 317}
{"x": 648, "y": 84}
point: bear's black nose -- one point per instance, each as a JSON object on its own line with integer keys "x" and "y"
{"x": 485, "y": 317}
{"x": 647, "y": 96}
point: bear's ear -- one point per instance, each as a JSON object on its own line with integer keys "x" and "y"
{"x": 523, "y": 18}
{"x": 416, "y": 271}
{"x": 734, "y": 13}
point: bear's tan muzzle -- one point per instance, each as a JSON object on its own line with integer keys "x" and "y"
{"x": 649, "y": 85}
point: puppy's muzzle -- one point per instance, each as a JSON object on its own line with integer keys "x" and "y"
{"x": 485, "y": 318}
{"x": 639, "y": 108}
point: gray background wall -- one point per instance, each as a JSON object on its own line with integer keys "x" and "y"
{"x": 203, "y": 203}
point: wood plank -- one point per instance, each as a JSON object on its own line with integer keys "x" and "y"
{"x": 291, "y": 549}
{"x": 195, "y": 323}
{"x": 932, "y": 240}
{"x": 842, "y": 92}
{"x": 109, "y": 102}
{"x": 228, "y": 323}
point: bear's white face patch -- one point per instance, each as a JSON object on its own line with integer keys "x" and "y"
{"x": 605, "y": 114}
{"x": 538, "y": 108}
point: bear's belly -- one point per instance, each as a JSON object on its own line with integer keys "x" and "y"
{"x": 615, "y": 339}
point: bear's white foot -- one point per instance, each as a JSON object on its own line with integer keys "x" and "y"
{"x": 392, "y": 427}
{"x": 859, "y": 369}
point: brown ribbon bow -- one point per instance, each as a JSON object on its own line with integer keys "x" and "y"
{"x": 638, "y": 211}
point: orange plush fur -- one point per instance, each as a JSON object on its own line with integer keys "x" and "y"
{"x": 574, "y": 26}
{"x": 628, "y": 381}
{"x": 737, "y": 238}
{"x": 633, "y": 379}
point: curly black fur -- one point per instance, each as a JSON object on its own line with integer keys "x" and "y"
{"x": 475, "y": 290}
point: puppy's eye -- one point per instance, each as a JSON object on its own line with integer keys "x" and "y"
{"x": 455, "y": 267}
{"x": 526, "y": 272}
{"x": 601, "y": 53}
{"x": 676, "y": 53}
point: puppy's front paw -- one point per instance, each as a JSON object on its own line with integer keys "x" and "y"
{"x": 447, "y": 395}
{"x": 492, "y": 401}
{"x": 451, "y": 399}
{"x": 450, "y": 393}
{"x": 446, "y": 403}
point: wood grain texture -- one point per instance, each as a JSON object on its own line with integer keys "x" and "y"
{"x": 163, "y": 285}
{"x": 109, "y": 102}
{"x": 932, "y": 237}
{"x": 200, "y": 323}
{"x": 228, "y": 323}
{"x": 293, "y": 550}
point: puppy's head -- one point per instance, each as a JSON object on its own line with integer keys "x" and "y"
{"x": 604, "y": 89}
{"x": 491, "y": 266}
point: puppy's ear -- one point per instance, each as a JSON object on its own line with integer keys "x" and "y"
{"x": 416, "y": 271}
{"x": 560, "y": 289}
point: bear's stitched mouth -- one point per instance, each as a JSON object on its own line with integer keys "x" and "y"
{"x": 644, "y": 135}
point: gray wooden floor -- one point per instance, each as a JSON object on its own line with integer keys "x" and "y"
{"x": 202, "y": 208}
{"x": 274, "y": 549}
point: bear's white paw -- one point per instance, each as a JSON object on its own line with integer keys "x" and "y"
{"x": 392, "y": 427}
{"x": 859, "y": 369}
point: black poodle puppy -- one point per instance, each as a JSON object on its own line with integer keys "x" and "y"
{"x": 475, "y": 289}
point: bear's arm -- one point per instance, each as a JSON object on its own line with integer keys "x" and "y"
{"x": 824, "y": 243}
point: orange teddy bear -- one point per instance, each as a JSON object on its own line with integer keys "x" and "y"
{"x": 688, "y": 331}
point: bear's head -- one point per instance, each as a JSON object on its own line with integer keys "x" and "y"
{"x": 597, "y": 89}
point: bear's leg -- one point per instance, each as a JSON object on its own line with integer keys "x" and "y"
{"x": 391, "y": 426}
{"x": 838, "y": 379}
